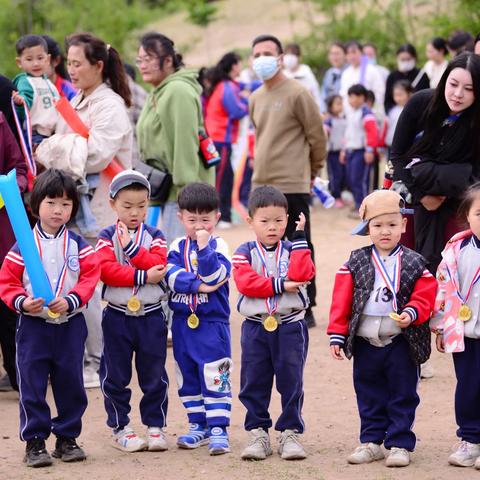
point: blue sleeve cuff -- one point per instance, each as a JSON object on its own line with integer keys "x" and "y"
{"x": 412, "y": 311}
{"x": 337, "y": 339}
{"x": 131, "y": 249}
{"x": 278, "y": 285}
{"x": 74, "y": 302}
{"x": 140, "y": 278}
{"x": 18, "y": 303}
{"x": 196, "y": 285}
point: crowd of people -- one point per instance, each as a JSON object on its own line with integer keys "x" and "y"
{"x": 90, "y": 132}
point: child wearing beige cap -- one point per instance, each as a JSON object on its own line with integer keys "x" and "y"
{"x": 382, "y": 300}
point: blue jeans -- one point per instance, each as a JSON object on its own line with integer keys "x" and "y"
{"x": 172, "y": 228}
{"x": 85, "y": 220}
{"x": 336, "y": 174}
{"x": 358, "y": 174}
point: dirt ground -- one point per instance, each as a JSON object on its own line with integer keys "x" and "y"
{"x": 330, "y": 410}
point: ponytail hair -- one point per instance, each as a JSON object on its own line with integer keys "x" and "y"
{"x": 160, "y": 46}
{"x": 96, "y": 50}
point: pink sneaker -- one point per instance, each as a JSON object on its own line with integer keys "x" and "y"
{"x": 338, "y": 203}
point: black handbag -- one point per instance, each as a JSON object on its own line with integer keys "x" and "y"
{"x": 160, "y": 181}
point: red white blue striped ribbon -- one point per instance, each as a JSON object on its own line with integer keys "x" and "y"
{"x": 393, "y": 284}
{"x": 25, "y": 143}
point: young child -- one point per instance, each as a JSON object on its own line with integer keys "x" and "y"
{"x": 271, "y": 275}
{"x": 51, "y": 339}
{"x": 133, "y": 258}
{"x": 33, "y": 86}
{"x": 456, "y": 324}
{"x": 197, "y": 273}
{"x": 361, "y": 137}
{"x": 382, "y": 300}
{"x": 335, "y": 125}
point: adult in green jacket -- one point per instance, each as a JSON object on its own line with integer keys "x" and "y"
{"x": 168, "y": 127}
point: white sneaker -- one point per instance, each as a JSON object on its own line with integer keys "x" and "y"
{"x": 156, "y": 440}
{"x": 426, "y": 370}
{"x": 398, "y": 457}
{"x": 128, "y": 441}
{"x": 91, "y": 378}
{"x": 366, "y": 453}
{"x": 289, "y": 447}
{"x": 465, "y": 455}
{"x": 259, "y": 445}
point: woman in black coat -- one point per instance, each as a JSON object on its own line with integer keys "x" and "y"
{"x": 436, "y": 153}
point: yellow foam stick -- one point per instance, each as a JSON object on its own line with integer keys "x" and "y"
{"x": 2, "y": 203}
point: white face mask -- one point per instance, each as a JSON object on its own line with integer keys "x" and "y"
{"x": 405, "y": 65}
{"x": 265, "y": 67}
{"x": 290, "y": 61}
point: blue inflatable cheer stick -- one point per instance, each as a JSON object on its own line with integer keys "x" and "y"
{"x": 153, "y": 214}
{"x": 23, "y": 233}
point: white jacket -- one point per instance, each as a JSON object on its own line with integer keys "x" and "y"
{"x": 110, "y": 134}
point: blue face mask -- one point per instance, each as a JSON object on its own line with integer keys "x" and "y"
{"x": 265, "y": 67}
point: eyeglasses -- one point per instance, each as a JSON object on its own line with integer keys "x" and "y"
{"x": 147, "y": 60}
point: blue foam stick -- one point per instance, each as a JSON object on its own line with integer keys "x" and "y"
{"x": 23, "y": 233}
{"x": 153, "y": 214}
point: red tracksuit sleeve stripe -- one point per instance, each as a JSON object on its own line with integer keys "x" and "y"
{"x": 11, "y": 285}
{"x": 301, "y": 267}
{"x": 112, "y": 273}
{"x": 423, "y": 297}
{"x": 89, "y": 275}
{"x": 248, "y": 281}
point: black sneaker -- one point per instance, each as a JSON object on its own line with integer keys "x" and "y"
{"x": 36, "y": 454}
{"x": 67, "y": 450}
{"x": 310, "y": 319}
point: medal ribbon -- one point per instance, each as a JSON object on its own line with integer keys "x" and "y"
{"x": 193, "y": 298}
{"x": 139, "y": 236}
{"x": 25, "y": 143}
{"x": 475, "y": 279}
{"x": 63, "y": 272}
{"x": 393, "y": 284}
{"x": 271, "y": 302}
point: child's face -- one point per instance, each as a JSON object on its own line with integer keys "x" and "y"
{"x": 54, "y": 212}
{"x": 385, "y": 231}
{"x": 356, "y": 101}
{"x": 269, "y": 224}
{"x": 337, "y": 106}
{"x": 195, "y": 221}
{"x": 473, "y": 217}
{"x": 34, "y": 61}
{"x": 130, "y": 207}
{"x": 400, "y": 96}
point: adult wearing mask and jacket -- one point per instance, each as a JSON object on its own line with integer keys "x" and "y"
{"x": 406, "y": 70}
{"x": 290, "y": 146}
{"x": 170, "y": 122}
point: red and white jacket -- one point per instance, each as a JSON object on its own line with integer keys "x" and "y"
{"x": 81, "y": 275}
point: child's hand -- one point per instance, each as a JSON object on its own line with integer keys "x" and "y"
{"x": 58, "y": 305}
{"x": 342, "y": 158}
{"x": 292, "y": 287}
{"x": 204, "y": 288}
{"x": 202, "y": 239}
{"x": 33, "y": 305}
{"x": 301, "y": 222}
{"x": 440, "y": 343}
{"x": 336, "y": 352}
{"x": 17, "y": 98}
{"x": 369, "y": 157}
{"x": 156, "y": 274}
{"x": 123, "y": 234}
{"x": 404, "y": 320}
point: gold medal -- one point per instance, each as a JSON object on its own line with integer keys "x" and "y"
{"x": 53, "y": 315}
{"x": 193, "y": 321}
{"x": 395, "y": 316}
{"x": 270, "y": 324}
{"x": 465, "y": 313}
{"x": 134, "y": 304}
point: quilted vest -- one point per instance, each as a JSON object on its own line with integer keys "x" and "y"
{"x": 362, "y": 269}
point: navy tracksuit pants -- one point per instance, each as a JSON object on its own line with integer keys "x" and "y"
{"x": 146, "y": 336}
{"x": 467, "y": 393}
{"x": 224, "y": 180}
{"x": 336, "y": 174}
{"x": 385, "y": 381}
{"x": 358, "y": 175}
{"x": 282, "y": 354}
{"x": 47, "y": 350}
{"x": 203, "y": 367}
